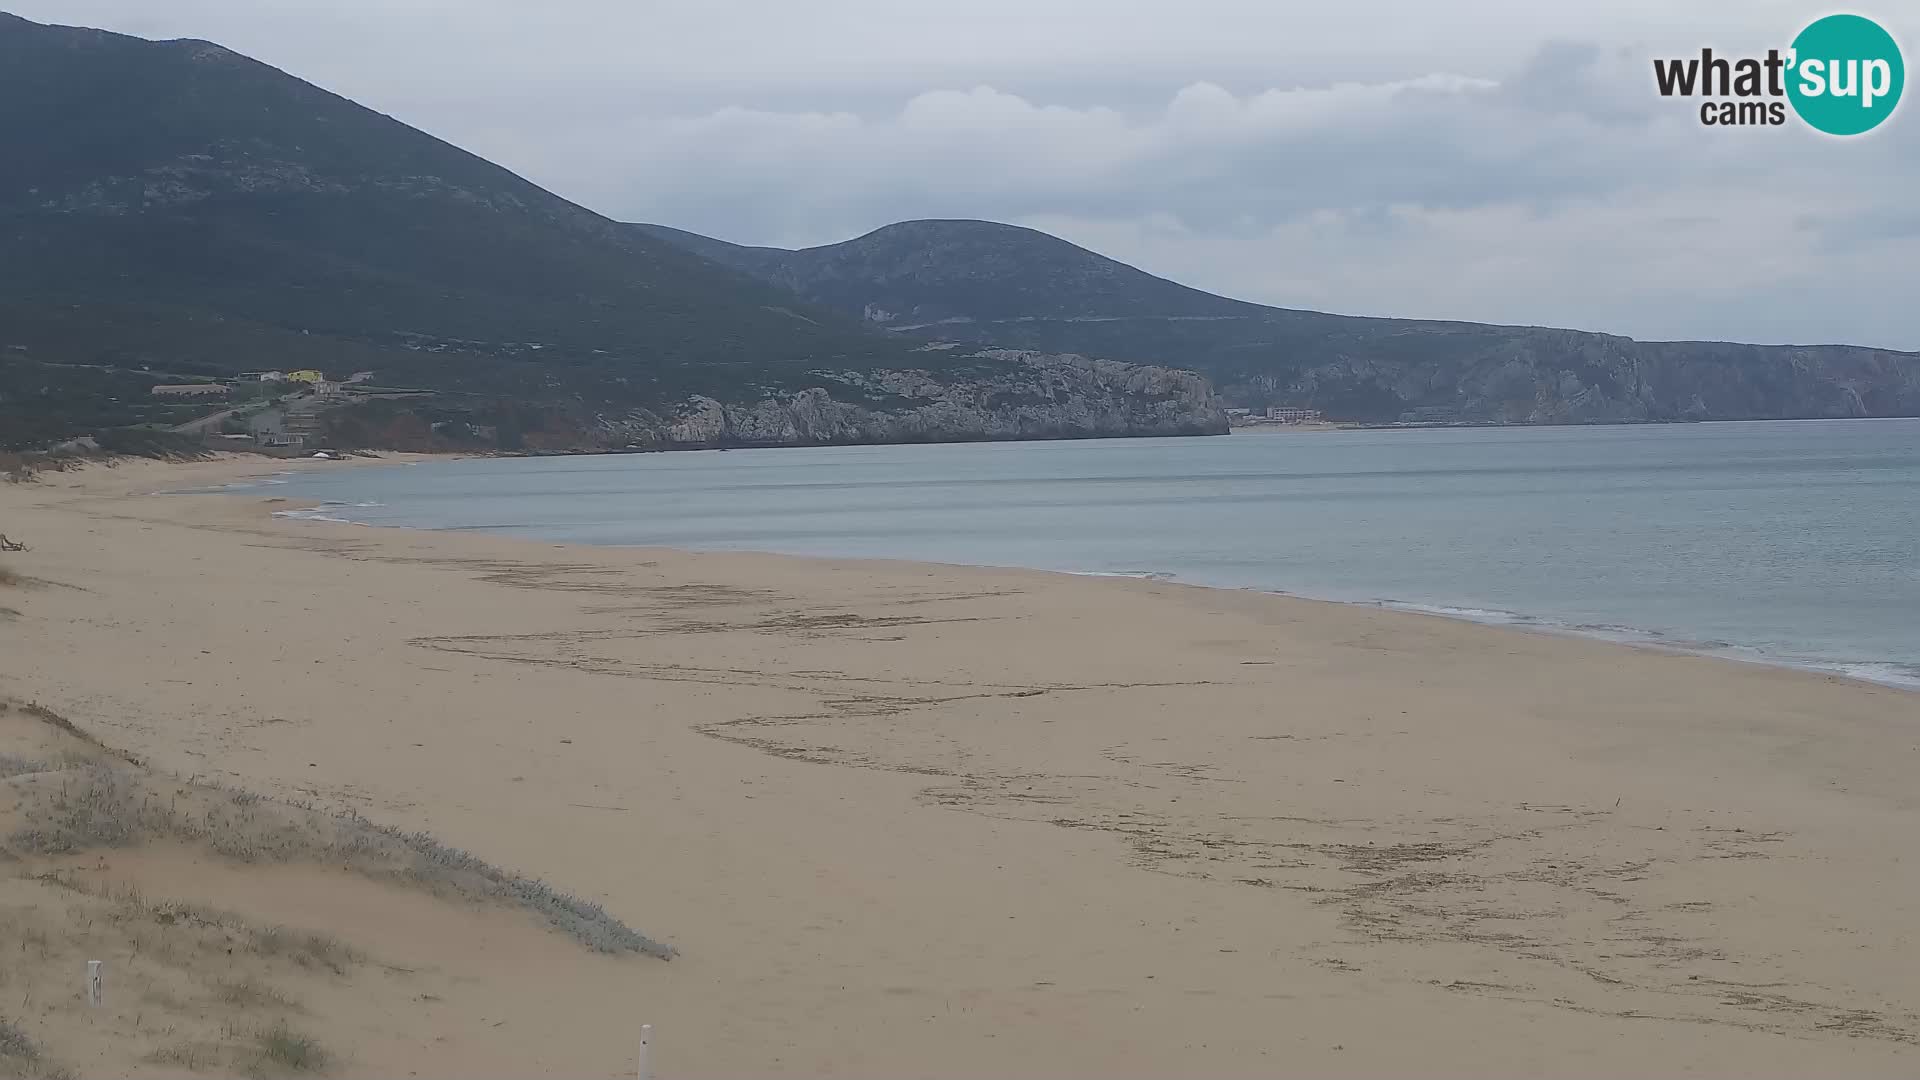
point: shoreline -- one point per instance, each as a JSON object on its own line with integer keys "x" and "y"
{"x": 908, "y": 819}
{"x": 1897, "y": 675}
{"x": 1907, "y": 678}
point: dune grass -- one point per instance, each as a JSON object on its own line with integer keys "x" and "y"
{"x": 309, "y": 949}
{"x": 275, "y": 1050}
{"x": 15, "y": 1044}
{"x": 249, "y": 993}
{"x": 103, "y": 803}
{"x": 290, "y": 1051}
{"x": 438, "y": 865}
{"x": 14, "y": 765}
{"x": 20, "y": 1056}
{"x": 66, "y": 727}
{"x": 191, "y": 1056}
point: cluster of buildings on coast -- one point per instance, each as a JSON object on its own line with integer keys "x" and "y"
{"x": 1273, "y": 414}
{"x": 275, "y": 412}
{"x": 314, "y": 381}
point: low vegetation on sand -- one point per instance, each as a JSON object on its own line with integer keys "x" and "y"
{"x": 220, "y": 992}
{"x": 94, "y": 798}
{"x": 291, "y": 1050}
{"x": 209, "y": 983}
{"x": 20, "y": 1056}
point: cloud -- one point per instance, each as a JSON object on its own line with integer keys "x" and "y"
{"x": 1203, "y": 153}
{"x": 1565, "y": 193}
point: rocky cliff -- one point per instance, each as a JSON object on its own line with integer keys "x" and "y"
{"x": 993, "y": 395}
{"x": 1021, "y": 396}
{"x": 1440, "y": 373}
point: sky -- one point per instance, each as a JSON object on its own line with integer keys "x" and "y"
{"x": 1491, "y": 160}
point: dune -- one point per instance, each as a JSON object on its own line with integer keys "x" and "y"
{"x": 238, "y": 934}
{"x": 914, "y": 820}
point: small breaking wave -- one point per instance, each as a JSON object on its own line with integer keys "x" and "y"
{"x": 1489, "y": 616}
{"x": 326, "y": 511}
{"x": 229, "y": 487}
{"x": 1883, "y": 673}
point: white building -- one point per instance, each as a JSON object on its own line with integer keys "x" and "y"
{"x": 1288, "y": 414}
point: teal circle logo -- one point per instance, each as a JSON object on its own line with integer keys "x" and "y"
{"x": 1846, "y": 75}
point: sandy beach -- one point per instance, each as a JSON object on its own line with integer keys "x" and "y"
{"x": 915, "y": 820}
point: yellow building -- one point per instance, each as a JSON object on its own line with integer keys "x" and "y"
{"x": 307, "y": 375}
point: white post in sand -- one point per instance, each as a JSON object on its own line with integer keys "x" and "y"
{"x": 646, "y": 1052}
{"x": 93, "y": 983}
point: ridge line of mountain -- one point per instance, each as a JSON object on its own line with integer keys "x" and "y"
{"x": 1015, "y": 287}
{"x": 178, "y": 212}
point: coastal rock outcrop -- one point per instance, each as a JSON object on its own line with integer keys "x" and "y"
{"x": 1008, "y": 395}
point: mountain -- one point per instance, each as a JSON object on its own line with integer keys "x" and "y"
{"x": 978, "y": 281}
{"x": 177, "y": 209}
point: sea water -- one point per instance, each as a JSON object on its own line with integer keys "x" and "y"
{"x": 1789, "y": 542}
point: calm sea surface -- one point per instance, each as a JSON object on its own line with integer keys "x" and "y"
{"x": 1795, "y": 543}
